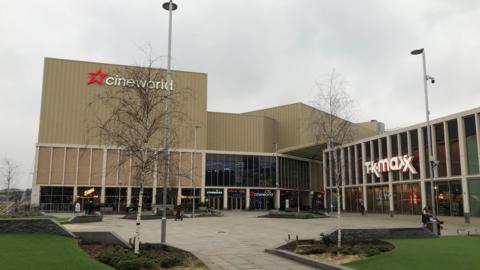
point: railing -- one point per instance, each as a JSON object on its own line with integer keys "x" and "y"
{"x": 56, "y": 207}
{"x": 6, "y": 208}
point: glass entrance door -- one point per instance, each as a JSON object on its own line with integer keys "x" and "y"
{"x": 235, "y": 203}
{"x": 215, "y": 203}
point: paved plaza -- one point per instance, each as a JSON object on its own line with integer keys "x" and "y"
{"x": 238, "y": 240}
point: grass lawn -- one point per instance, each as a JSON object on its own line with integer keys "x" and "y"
{"x": 449, "y": 252}
{"x": 44, "y": 251}
{"x": 34, "y": 215}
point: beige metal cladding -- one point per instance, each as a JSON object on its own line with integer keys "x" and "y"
{"x": 67, "y": 114}
{"x": 238, "y": 132}
{"x": 83, "y": 166}
{"x": 294, "y": 124}
{"x": 288, "y": 125}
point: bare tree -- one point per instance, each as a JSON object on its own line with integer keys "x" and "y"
{"x": 334, "y": 127}
{"x": 135, "y": 120}
{"x": 8, "y": 171}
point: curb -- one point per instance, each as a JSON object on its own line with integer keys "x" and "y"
{"x": 306, "y": 260}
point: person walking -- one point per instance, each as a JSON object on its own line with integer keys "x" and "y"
{"x": 425, "y": 217}
{"x": 77, "y": 208}
{"x": 178, "y": 213}
{"x": 362, "y": 209}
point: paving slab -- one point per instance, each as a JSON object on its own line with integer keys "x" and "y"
{"x": 238, "y": 240}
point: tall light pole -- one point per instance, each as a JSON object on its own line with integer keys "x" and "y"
{"x": 170, "y": 6}
{"x": 193, "y": 167}
{"x": 431, "y": 161}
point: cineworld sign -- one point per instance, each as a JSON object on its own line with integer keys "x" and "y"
{"x": 99, "y": 77}
{"x": 399, "y": 163}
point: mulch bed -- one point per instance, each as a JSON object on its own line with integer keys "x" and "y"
{"x": 188, "y": 260}
{"x": 350, "y": 251}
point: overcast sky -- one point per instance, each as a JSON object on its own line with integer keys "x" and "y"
{"x": 257, "y": 54}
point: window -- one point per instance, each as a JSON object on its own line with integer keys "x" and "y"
{"x": 360, "y": 163}
{"x": 404, "y": 151}
{"x": 415, "y": 153}
{"x": 383, "y": 142}
{"x": 240, "y": 170}
{"x": 426, "y": 152}
{"x": 454, "y": 147}
{"x": 394, "y": 154}
{"x": 441, "y": 155}
{"x": 471, "y": 145}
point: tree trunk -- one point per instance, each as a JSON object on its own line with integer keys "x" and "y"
{"x": 338, "y": 177}
{"x": 140, "y": 201}
{"x": 8, "y": 196}
{"x": 139, "y": 214}
{"x": 339, "y": 229}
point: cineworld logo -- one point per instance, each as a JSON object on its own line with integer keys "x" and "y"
{"x": 99, "y": 77}
{"x": 399, "y": 163}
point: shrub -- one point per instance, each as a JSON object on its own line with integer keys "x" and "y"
{"x": 134, "y": 264}
{"x": 114, "y": 255}
{"x": 327, "y": 241}
{"x": 384, "y": 248}
{"x": 313, "y": 250}
{"x": 148, "y": 263}
{"x": 371, "y": 251}
{"x": 170, "y": 262}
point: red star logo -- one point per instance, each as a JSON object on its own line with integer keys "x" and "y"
{"x": 93, "y": 77}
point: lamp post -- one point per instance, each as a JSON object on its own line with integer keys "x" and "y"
{"x": 193, "y": 167}
{"x": 170, "y": 6}
{"x": 431, "y": 161}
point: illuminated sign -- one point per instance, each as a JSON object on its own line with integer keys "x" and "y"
{"x": 399, "y": 163}
{"x": 99, "y": 77}
{"x": 88, "y": 191}
{"x": 214, "y": 192}
{"x": 266, "y": 193}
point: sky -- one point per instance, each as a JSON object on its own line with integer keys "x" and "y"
{"x": 257, "y": 54}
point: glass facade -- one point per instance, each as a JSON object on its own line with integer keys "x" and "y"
{"x": 172, "y": 194}
{"x": 377, "y": 199}
{"x": 407, "y": 199}
{"x": 240, "y": 170}
{"x": 474, "y": 190}
{"x": 454, "y": 147}
{"x": 447, "y": 147}
{"x": 293, "y": 174}
{"x": 396, "y": 174}
{"x": 471, "y": 145}
{"x": 146, "y": 198}
{"x": 448, "y": 197}
{"x": 415, "y": 153}
{"x": 360, "y": 164}
{"x": 426, "y": 154}
{"x": 353, "y": 199}
{"x": 441, "y": 154}
{"x": 115, "y": 197}
{"x": 261, "y": 199}
{"x": 56, "y": 195}
{"x": 368, "y": 157}
{"x": 404, "y": 148}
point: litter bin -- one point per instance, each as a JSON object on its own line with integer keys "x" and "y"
{"x": 438, "y": 223}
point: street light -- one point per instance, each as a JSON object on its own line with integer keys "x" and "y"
{"x": 431, "y": 161}
{"x": 170, "y": 6}
{"x": 193, "y": 167}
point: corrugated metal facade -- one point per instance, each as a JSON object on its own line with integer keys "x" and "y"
{"x": 69, "y": 113}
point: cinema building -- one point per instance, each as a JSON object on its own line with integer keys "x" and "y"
{"x": 389, "y": 173}
{"x": 261, "y": 159}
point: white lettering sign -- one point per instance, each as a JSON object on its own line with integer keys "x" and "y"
{"x": 119, "y": 81}
{"x": 98, "y": 77}
{"x": 399, "y": 163}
